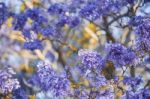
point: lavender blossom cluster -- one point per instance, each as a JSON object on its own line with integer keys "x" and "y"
{"x": 7, "y": 82}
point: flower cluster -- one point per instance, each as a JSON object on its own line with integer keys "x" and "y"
{"x": 96, "y": 80}
{"x": 93, "y": 10}
{"x": 19, "y": 21}
{"x": 48, "y": 79}
{"x": 19, "y": 93}
{"x": 143, "y": 94}
{"x": 143, "y": 36}
{"x": 7, "y": 82}
{"x": 3, "y": 13}
{"x": 32, "y": 45}
{"x": 132, "y": 81}
{"x": 64, "y": 13}
{"x": 91, "y": 60}
{"x": 120, "y": 55}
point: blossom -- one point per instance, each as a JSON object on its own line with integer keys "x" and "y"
{"x": 120, "y": 55}
{"x": 96, "y": 80}
{"x": 81, "y": 93}
{"x": 143, "y": 29}
{"x": 39, "y": 23}
{"x": 136, "y": 20}
{"x": 62, "y": 20}
{"x": 36, "y": 27}
{"x": 142, "y": 45}
{"x": 139, "y": 94}
{"x": 3, "y": 13}
{"x": 48, "y": 31}
{"x": 41, "y": 19}
{"x": 91, "y": 59}
{"x": 143, "y": 36}
{"x": 32, "y": 13}
{"x": 90, "y": 11}
{"x": 146, "y": 93}
{"x": 49, "y": 80}
{"x": 94, "y": 9}
{"x": 19, "y": 21}
{"x": 57, "y": 8}
{"x": 26, "y": 33}
{"x": 73, "y": 21}
{"x": 105, "y": 94}
{"x": 132, "y": 95}
{"x": 19, "y": 93}
{"x": 7, "y": 82}
{"x": 133, "y": 81}
{"x": 32, "y": 45}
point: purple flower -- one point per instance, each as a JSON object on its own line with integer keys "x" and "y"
{"x": 143, "y": 29}
{"x": 105, "y": 94}
{"x": 73, "y": 21}
{"x": 120, "y": 55}
{"x": 146, "y": 93}
{"x": 57, "y": 8}
{"x": 142, "y": 46}
{"x": 94, "y": 9}
{"x": 61, "y": 86}
{"x": 7, "y": 82}
{"x": 41, "y": 20}
{"x": 49, "y": 80}
{"x": 91, "y": 60}
{"x": 96, "y": 80}
{"x": 26, "y": 33}
{"x": 132, "y": 81}
{"x": 36, "y": 27}
{"x": 143, "y": 36}
{"x": 130, "y": 57}
{"x": 19, "y": 21}
{"x": 39, "y": 23}
{"x": 81, "y": 93}
{"x": 48, "y": 31}
{"x": 32, "y": 13}
{"x": 32, "y": 45}
{"x": 62, "y": 20}
{"x": 136, "y": 20}
{"x": 3, "y": 13}
{"x": 131, "y": 95}
{"x": 90, "y": 11}
{"x": 19, "y": 93}
{"x": 139, "y": 94}
{"x": 34, "y": 81}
